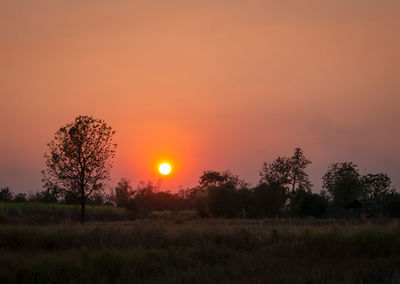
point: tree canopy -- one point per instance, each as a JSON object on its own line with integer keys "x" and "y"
{"x": 79, "y": 159}
{"x": 288, "y": 172}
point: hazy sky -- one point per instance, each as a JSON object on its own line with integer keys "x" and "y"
{"x": 207, "y": 84}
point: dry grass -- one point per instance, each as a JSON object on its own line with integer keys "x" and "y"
{"x": 50, "y": 213}
{"x": 202, "y": 251}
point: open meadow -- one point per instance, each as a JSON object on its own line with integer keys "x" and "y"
{"x": 176, "y": 249}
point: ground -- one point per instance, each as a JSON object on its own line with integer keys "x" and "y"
{"x": 202, "y": 251}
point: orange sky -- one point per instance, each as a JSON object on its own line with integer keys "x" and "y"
{"x": 208, "y": 84}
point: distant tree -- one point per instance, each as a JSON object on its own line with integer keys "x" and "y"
{"x": 288, "y": 172}
{"x": 376, "y": 187}
{"x": 80, "y": 159}
{"x": 5, "y": 194}
{"x": 124, "y": 194}
{"x": 391, "y": 205}
{"x": 148, "y": 198}
{"x": 97, "y": 198}
{"x": 222, "y": 191}
{"x": 324, "y": 194}
{"x": 195, "y": 199}
{"x": 69, "y": 198}
{"x": 298, "y": 177}
{"x": 309, "y": 204}
{"x": 277, "y": 172}
{"x": 43, "y": 196}
{"x": 20, "y": 197}
{"x": 269, "y": 200}
{"x": 144, "y": 198}
{"x": 214, "y": 178}
{"x": 343, "y": 183}
{"x": 221, "y": 201}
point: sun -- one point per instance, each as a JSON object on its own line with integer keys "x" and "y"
{"x": 164, "y": 169}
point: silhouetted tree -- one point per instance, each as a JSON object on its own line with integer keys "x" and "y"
{"x": 80, "y": 159}
{"x": 298, "y": 178}
{"x": 269, "y": 200}
{"x": 343, "y": 183}
{"x": 391, "y": 205}
{"x": 97, "y": 198}
{"x": 221, "y": 201}
{"x": 288, "y": 172}
{"x": 376, "y": 187}
{"x": 6, "y": 195}
{"x": 216, "y": 179}
{"x": 69, "y": 198}
{"x": 306, "y": 204}
{"x": 124, "y": 194}
{"x": 43, "y": 196}
{"x": 222, "y": 196}
{"x": 195, "y": 199}
{"x": 149, "y": 198}
{"x": 20, "y": 197}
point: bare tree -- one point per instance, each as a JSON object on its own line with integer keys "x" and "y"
{"x": 80, "y": 159}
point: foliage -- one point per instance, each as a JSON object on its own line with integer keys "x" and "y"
{"x": 306, "y": 204}
{"x": 148, "y": 198}
{"x": 20, "y": 197}
{"x": 222, "y": 192}
{"x": 45, "y": 196}
{"x": 391, "y": 205}
{"x": 5, "y": 194}
{"x": 221, "y": 201}
{"x": 376, "y": 187}
{"x": 216, "y": 179}
{"x": 124, "y": 195}
{"x": 269, "y": 200}
{"x": 288, "y": 172}
{"x": 343, "y": 183}
{"x": 80, "y": 159}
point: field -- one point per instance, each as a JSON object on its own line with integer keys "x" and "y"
{"x": 50, "y": 213}
{"x": 173, "y": 250}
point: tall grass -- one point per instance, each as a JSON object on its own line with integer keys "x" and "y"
{"x": 47, "y": 213}
{"x": 199, "y": 251}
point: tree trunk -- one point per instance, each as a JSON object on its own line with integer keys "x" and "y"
{"x": 83, "y": 204}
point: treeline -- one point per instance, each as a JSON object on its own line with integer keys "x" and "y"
{"x": 284, "y": 190}
{"x": 49, "y": 196}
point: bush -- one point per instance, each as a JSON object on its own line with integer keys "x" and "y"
{"x": 309, "y": 204}
{"x": 391, "y": 205}
{"x": 269, "y": 200}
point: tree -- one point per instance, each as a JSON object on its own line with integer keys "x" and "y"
{"x": 214, "y": 178}
{"x": 391, "y": 205}
{"x": 80, "y": 159}
{"x": 288, "y": 172}
{"x": 124, "y": 194}
{"x": 222, "y": 193}
{"x": 43, "y": 196}
{"x": 298, "y": 178}
{"x": 20, "y": 197}
{"x": 269, "y": 199}
{"x": 376, "y": 187}
{"x": 309, "y": 204}
{"x": 343, "y": 183}
{"x": 5, "y": 194}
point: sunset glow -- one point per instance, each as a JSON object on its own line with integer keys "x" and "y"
{"x": 205, "y": 84}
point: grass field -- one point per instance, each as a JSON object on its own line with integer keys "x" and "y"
{"x": 202, "y": 251}
{"x": 50, "y": 213}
